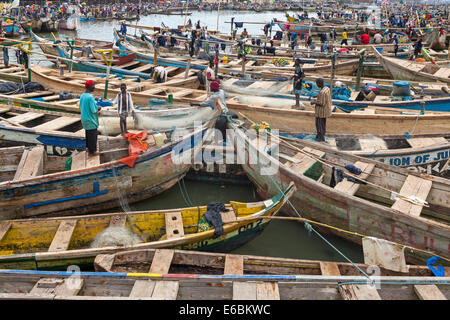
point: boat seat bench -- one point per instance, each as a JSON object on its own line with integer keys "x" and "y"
{"x": 351, "y": 187}
{"x": 307, "y": 165}
{"x": 31, "y": 164}
{"x": 174, "y": 225}
{"x": 413, "y": 186}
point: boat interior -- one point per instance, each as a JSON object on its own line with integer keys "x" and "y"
{"x": 376, "y": 182}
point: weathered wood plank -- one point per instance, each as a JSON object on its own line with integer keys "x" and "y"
{"x": 425, "y": 142}
{"x": 413, "y": 186}
{"x": 25, "y": 117}
{"x": 33, "y": 165}
{"x": 166, "y": 290}
{"x": 161, "y": 261}
{"x": 350, "y": 187}
{"x": 305, "y": 161}
{"x": 174, "y": 225}
{"x": 359, "y": 292}
{"x": 429, "y": 292}
{"x": 267, "y": 291}
{"x": 61, "y": 240}
{"x": 4, "y": 228}
{"x": 329, "y": 269}
{"x": 228, "y": 216}
{"x": 244, "y": 290}
{"x": 78, "y": 160}
{"x": 142, "y": 289}
{"x": 57, "y": 124}
{"x": 234, "y": 264}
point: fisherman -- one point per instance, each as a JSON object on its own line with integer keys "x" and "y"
{"x": 417, "y": 47}
{"x": 5, "y": 50}
{"x": 209, "y": 76}
{"x": 395, "y": 45}
{"x": 377, "y": 38}
{"x": 217, "y": 99}
{"x": 298, "y": 77}
{"x": 244, "y": 34}
{"x": 365, "y": 39}
{"x": 344, "y": 37}
{"x": 322, "y": 109}
{"x": 89, "y": 117}
{"x": 124, "y": 107}
{"x": 123, "y": 28}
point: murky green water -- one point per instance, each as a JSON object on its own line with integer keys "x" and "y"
{"x": 286, "y": 239}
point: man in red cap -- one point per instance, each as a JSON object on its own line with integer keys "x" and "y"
{"x": 89, "y": 117}
{"x": 216, "y": 99}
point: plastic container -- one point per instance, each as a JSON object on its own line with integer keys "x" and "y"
{"x": 401, "y": 88}
{"x": 156, "y": 101}
{"x": 371, "y": 87}
{"x": 379, "y": 49}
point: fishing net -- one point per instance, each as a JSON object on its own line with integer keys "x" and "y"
{"x": 241, "y": 88}
{"x": 115, "y": 236}
{"x": 266, "y": 102}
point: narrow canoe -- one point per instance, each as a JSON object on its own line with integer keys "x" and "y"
{"x": 94, "y": 182}
{"x": 55, "y": 285}
{"x": 368, "y": 209}
{"x": 56, "y": 243}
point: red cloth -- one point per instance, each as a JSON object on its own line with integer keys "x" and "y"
{"x": 365, "y": 38}
{"x": 135, "y": 147}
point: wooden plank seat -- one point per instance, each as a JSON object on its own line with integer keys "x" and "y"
{"x": 174, "y": 225}
{"x": 442, "y": 73}
{"x": 4, "y": 228}
{"x": 144, "y": 68}
{"x": 160, "y": 289}
{"x": 31, "y": 164}
{"x": 161, "y": 261}
{"x": 350, "y": 187}
{"x": 25, "y": 117}
{"x": 429, "y": 292}
{"x": 155, "y": 91}
{"x": 81, "y": 160}
{"x": 424, "y": 142}
{"x": 57, "y": 124}
{"x": 33, "y": 94}
{"x": 305, "y": 162}
{"x": 350, "y": 292}
{"x": 182, "y": 93}
{"x": 229, "y": 216}
{"x": 4, "y": 109}
{"x": 234, "y": 264}
{"x": 61, "y": 240}
{"x": 51, "y": 98}
{"x": 130, "y": 64}
{"x": 413, "y": 186}
{"x": 372, "y": 144}
{"x": 57, "y": 287}
{"x": 255, "y": 290}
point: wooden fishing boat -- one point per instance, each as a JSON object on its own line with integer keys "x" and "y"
{"x": 54, "y": 285}
{"x": 388, "y": 206}
{"x": 14, "y": 72}
{"x": 60, "y": 132}
{"x": 93, "y": 182}
{"x": 425, "y": 154}
{"x": 378, "y": 123}
{"x": 167, "y": 261}
{"x": 416, "y": 71}
{"x": 61, "y": 242}
{"x": 49, "y": 25}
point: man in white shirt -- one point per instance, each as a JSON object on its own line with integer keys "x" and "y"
{"x": 377, "y": 38}
{"x": 124, "y": 106}
{"x": 209, "y": 76}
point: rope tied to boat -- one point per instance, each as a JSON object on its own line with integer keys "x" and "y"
{"x": 331, "y": 165}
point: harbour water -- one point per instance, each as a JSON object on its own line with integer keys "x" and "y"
{"x": 287, "y": 239}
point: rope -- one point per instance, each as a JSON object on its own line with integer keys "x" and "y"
{"x": 310, "y": 228}
{"x": 331, "y": 165}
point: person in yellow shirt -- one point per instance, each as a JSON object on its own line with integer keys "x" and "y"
{"x": 344, "y": 38}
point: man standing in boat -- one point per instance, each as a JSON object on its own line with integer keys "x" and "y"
{"x": 298, "y": 79}
{"x": 322, "y": 109}
{"x": 89, "y": 117}
{"x": 124, "y": 107}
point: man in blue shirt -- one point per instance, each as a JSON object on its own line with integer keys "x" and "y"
{"x": 89, "y": 117}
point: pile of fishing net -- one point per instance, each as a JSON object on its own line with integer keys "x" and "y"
{"x": 115, "y": 236}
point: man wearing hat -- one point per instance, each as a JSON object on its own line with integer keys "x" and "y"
{"x": 216, "y": 99}
{"x": 89, "y": 117}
